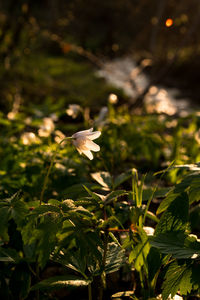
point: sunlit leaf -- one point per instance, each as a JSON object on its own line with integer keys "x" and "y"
{"x": 58, "y": 282}
{"x": 103, "y": 178}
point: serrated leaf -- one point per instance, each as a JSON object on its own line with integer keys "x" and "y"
{"x": 73, "y": 261}
{"x": 115, "y": 258}
{"x": 58, "y": 282}
{"x": 43, "y": 234}
{"x": 83, "y": 211}
{"x": 177, "y": 277}
{"x": 45, "y": 209}
{"x": 194, "y": 191}
{"x": 177, "y": 244}
{"x": 176, "y": 216}
{"x": 167, "y": 201}
{"x": 18, "y": 211}
{"x": 190, "y": 184}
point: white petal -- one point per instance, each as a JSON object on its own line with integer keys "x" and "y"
{"x": 79, "y": 150}
{"x": 82, "y": 133}
{"x": 94, "y": 135}
{"x": 88, "y": 154}
{"x": 92, "y": 146}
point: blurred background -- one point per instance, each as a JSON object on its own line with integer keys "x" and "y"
{"x": 55, "y": 53}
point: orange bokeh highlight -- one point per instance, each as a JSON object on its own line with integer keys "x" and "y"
{"x": 168, "y": 22}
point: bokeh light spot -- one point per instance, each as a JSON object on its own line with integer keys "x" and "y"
{"x": 168, "y": 22}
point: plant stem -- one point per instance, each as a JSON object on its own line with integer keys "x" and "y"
{"x": 38, "y": 278}
{"x": 90, "y": 291}
{"x": 47, "y": 176}
{"x": 141, "y": 280}
{"x": 103, "y": 275}
{"x": 49, "y": 170}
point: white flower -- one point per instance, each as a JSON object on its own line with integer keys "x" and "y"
{"x": 46, "y": 128}
{"x": 83, "y": 141}
{"x": 29, "y": 138}
{"x": 113, "y": 99}
{"x": 11, "y": 115}
{"x": 73, "y": 110}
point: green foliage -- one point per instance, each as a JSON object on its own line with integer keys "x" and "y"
{"x": 190, "y": 184}
{"x": 20, "y": 281}
{"x": 14, "y": 208}
{"x": 95, "y": 219}
{"x": 180, "y": 276}
{"x": 178, "y": 244}
{"x": 140, "y": 251}
{"x": 176, "y": 216}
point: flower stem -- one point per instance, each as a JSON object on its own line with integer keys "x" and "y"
{"x": 49, "y": 170}
{"x": 47, "y": 176}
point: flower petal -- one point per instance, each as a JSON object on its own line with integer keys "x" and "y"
{"x": 91, "y": 145}
{"x": 94, "y": 135}
{"x": 88, "y": 153}
{"x": 80, "y": 143}
{"x": 82, "y": 133}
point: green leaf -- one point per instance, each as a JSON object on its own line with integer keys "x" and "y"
{"x": 58, "y": 282}
{"x": 43, "y": 234}
{"x": 167, "y": 201}
{"x": 115, "y": 258}
{"x": 154, "y": 262}
{"x": 114, "y": 195}
{"x": 8, "y": 254}
{"x": 4, "y": 217}
{"x": 122, "y": 178}
{"x": 159, "y": 193}
{"x": 45, "y": 209}
{"x": 92, "y": 194}
{"x": 190, "y": 183}
{"x": 72, "y": 260}
{"x": 152, "y": 216}
{"x": 140, "y": 251}
{"x": 194, "y": 191}
{"x": 12, "y": 207}
{"x": 177, "y": 277}
{"x": 18, "y": 211}
{"x": 176, "y": 216}
{"x": 177, "y": 244}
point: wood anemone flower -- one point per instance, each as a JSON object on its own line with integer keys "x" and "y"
{"x": 83, "y": 141}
